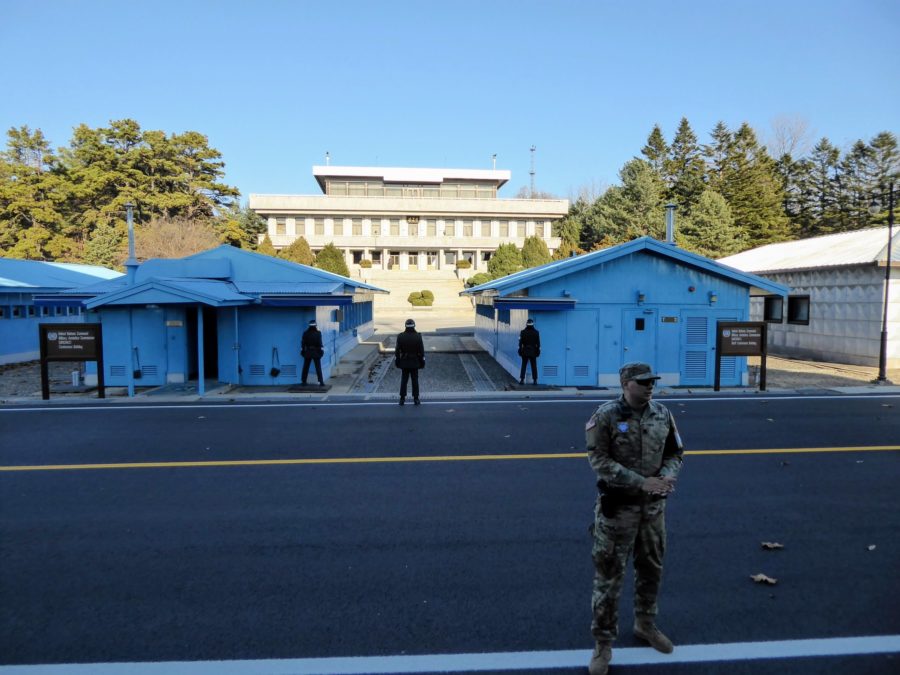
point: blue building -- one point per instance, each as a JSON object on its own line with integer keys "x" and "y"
{"x": 641, "y": 301}
{"x": 20, "y": 282}
{"x": 225, "y": 314}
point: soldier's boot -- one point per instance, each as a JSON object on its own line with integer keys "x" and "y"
{"x": 645, "y": 629}
{"x": 599, "y": 664}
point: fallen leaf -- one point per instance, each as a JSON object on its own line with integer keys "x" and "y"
{"x": 772, "y": 545}
{"x": 871, "y": 547}
{"x": 763, "y": 579}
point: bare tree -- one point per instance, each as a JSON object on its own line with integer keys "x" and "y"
{"x": 790, "y": 135}
{"x": 173, "y": 238}
{"x": 588, "y": 192}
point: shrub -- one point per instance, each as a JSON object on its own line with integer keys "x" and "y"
{"x": 417, "y": 299}
{"x": 478, "y": 279}
{"x": 366, "y": 263}
{"x": 428, "y": 294}
{"x": 463, "y": 264}
{"x": 331, "y": 259}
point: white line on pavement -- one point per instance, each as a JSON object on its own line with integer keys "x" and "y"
{"x": 443, "y": 402}
{"x": 436, "y": 663}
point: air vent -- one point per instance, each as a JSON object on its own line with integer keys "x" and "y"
{"x": 580, "y": 371}
{"x": 257, "y": 370}
{"x": 696, "y": 330}
{"x": 289, "y": 370}
{"x": 727, "y": 367}
{"x": 149, "y": 371}
{"x": 117, "y": 371}
{"x": 550, "y": 371}
{"x": 695, "y": 365}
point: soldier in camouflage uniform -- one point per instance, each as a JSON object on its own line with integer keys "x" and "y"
{"x": 634, "y": 447}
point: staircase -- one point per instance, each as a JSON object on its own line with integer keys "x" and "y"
{"x": 443, "y": 283}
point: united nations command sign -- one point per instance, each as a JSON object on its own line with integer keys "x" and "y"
{"x": 741, "y": 338}
{"x": 71, "y": 342}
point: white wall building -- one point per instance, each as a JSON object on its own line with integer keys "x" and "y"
{"x": 407, "y": 218}
{"x": 835, "y": 309}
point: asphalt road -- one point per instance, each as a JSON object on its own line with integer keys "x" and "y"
{"x": 334, "y": 558}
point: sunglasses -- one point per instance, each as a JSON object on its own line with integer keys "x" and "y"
{"x": 646, "y": 383}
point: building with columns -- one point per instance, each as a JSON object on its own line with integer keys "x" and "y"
{"x": 407, "y": 218}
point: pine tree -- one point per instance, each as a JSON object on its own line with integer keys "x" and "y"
{"x": 534, "y": 252}
{"x": 656, "y": 152}
{"x": 749, "y": 183}
{"x": 331, "y": 259}
{"x": 686, "y": 169}
{"x": 265, "y": 247}
{"x": 298, "y": 252}
{"x": 717, "y": 153}
{"x": 824, "y": 180}
{"x": 106, "y": 247}
{"x": 710, "y": 229}
{"x": 506, "y": 260}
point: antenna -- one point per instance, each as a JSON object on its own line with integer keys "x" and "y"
{"x": 494, "y": 161}
{"x": 327, "y": 158}
{"x": 532, "y": 170}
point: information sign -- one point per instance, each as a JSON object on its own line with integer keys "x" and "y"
{"x": 71, "y": 342}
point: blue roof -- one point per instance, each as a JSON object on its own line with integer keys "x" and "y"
{"x": 38, "y": 274}
{"x": 288, "y": 288}
{"x": 558, "y": 268}
{"x": 173, "y": 291}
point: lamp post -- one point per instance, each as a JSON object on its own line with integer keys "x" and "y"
{"x": 882, "y": 354}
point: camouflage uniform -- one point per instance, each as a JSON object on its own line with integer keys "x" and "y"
{"x": 625, "y": 446}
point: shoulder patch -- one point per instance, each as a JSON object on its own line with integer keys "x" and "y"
{"x": 591, "y": 423}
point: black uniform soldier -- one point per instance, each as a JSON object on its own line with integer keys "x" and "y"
{"x": 529, "y": 350}
{"x": 410, "y": 356}
{"x": 634, "y": 447}
{"x": 311, "y": 350}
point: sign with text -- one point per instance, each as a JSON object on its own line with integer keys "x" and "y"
{"x": 747, "y": 338}
{"x": 741, "y": 338}
{"x": 71, "y": 342}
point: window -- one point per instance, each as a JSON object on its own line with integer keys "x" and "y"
{"x": 467, "y": 228}
{"x": 798, "y": 309}
{"x": 357, "y": 257}
{"x": 773, "y": 308}
{"x": 413, "y": 229}
{"x": 431, "y": 227}
{"x": 30, "y": 310}
{"x": 16, "y": 311}
{"x": 522, "y": 230}
{"x": 539, "y": 230}
{"x": 338, "y": 226}
{"x": 450, "y": 228}
{"x": 376, "y": 226}
{"x": 2, "y": 312}
{"x": 449, "y": 257}
{"x": 376, "y": 258}
{"x": 504, "y": 228}
{"x": 395, "y": 227}
{"x": 299, "y": 226}
{"x": 280, "y": 226}
{"x": 639, "y": 323}
{"x": 319, "y": 226}
{"x": 357, "y": 226}
{"x": 431, "y": 258}
{"x": 413, "y": 260}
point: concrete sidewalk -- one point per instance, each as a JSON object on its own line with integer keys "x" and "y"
{"x": 455, "y": 365}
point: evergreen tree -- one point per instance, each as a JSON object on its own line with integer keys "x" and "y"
{"x": 855, "y": 169}
{"x": 824, "y": 181}
{"x": 753, "y": 190}
{"x": 656, "y": 152}
{"x": 569, "y": 228}
{"x": 535, "y": 252}
{"x": 710, "y": 229}
{"x": 106, "y": 247}
{"x": 686, "y": 169}
{"x": 566, "y": 250}
{"x": 299, "y": 252}
{"x": 718, "y": 153}
{"x": 265, "y": 247}
{"x": 635, "y": 209}
{"x": 331, "y": 259}
{"x": 506, "y": 260}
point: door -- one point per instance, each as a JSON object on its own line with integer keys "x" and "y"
{"x": 149, "y": 350}
{"x": 698, "y": 339}
{"x": 582, "y": 348}
{"x": 639, "y": 335}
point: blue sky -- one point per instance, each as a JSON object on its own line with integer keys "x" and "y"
{"x": 274, "y": 85}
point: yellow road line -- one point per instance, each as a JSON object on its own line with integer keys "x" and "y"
{"x": 424, "y": 458}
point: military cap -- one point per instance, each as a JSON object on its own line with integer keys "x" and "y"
{"x": 410, "y": 323}
{"x": 530, "y": 322}
{"x": 313, "y": 323}
{"x": 636, "y": 370}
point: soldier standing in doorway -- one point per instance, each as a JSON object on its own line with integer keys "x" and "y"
{"x": 636, "y": 452}
{"x": 529, "y": 350}
{"x": 311, "y": 350}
